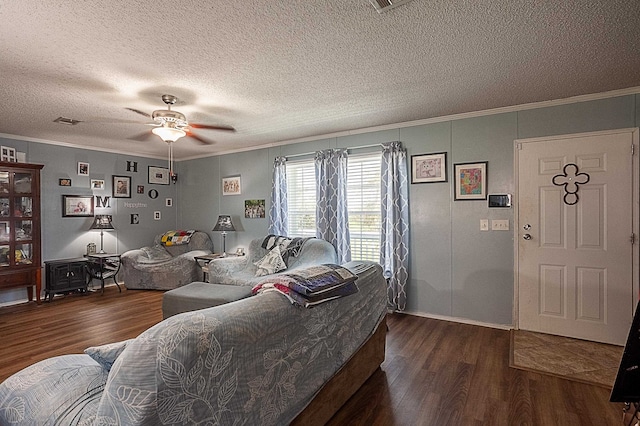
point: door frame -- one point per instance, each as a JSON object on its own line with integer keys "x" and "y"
{"x": 517, "y": 143}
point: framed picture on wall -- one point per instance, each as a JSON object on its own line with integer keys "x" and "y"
{"x": 83, "y": 168}
{"x": 254, "y": 209}
{"x": 429, "y": 168}
{"x": 470, "y": 181}
{"x": 231, "y": 185}
{"x": 121, "y": 187}
{"x": 97, "y": 183}
{"x": 158, "y": 175}
{"x": 77, "y": 206}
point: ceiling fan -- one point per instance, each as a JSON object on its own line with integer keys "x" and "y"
{"x": 171, "y": 125}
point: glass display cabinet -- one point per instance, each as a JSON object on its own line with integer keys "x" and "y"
{"x": 20, "y": 263}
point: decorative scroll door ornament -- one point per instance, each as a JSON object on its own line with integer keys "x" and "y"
{"x": 570, "y": 179}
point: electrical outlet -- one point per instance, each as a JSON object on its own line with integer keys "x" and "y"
{"x": 500, "y": 225}
{"x": 484, "y": 224}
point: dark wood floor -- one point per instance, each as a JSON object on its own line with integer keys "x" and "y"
{"x": 435, "y": 373}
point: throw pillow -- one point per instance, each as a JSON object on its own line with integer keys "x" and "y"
{"x": 271, "y": 263}
{"x": 106, "y": 355}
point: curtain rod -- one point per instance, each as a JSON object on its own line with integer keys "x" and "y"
{"x": 313, "y": 153}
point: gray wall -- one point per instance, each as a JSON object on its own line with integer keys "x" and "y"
{"x": 67, "y": 237}
{"x": 456, "y": 270}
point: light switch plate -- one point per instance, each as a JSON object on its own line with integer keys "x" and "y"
{"x": 484, "y": 224}
{"x": 500, "y": 225}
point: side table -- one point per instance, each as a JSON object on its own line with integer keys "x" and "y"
{"x": 103, "y": 266}
{"x": 203, "y": 261}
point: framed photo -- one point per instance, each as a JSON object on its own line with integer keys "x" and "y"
{"x": 168, "y": 202}
{"x": 254, "y": 209}
{"x": 157, "y": 215}
{"x": 8, "y": 154}
{"x": 429, "y": 168}
{"x": 470, "y": 181}
{"x": 83, "y": 169}
{"x": 64, "y": 182}
{"x": 121, "y": 187}
{"x": 231, "y": 185}
{"x": 77, "y": 206}
{"x": 158, "y": 175}
{"x": 140, "y": 189}
{"x": 97, "y": 184}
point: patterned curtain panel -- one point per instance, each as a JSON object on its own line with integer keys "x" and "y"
{"x": 332, "y": 218}
{"x": 394, "y": 244}
{"x": 278, "y": 212}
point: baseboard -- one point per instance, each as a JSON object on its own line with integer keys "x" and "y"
{"x": 460, "y": 320}
{"x": 25, "y": 300}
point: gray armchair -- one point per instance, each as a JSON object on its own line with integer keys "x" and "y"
{"x": 165, "y": 267}
{"x": 242, "y": 270}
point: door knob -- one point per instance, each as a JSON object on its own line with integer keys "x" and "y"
{"x": 527, "y": 237}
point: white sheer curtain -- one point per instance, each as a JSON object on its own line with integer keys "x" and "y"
{"x": 394, "y": 243}
{"x": 332, "y": 217}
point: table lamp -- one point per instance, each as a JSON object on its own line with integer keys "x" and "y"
{"x": 102, "y": 222}
{"x": 225, "y": 225}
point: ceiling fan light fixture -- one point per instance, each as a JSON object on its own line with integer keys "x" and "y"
{"x": 169, "y": 134}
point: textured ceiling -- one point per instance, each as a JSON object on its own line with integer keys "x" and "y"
{"x": 280, "y": 71}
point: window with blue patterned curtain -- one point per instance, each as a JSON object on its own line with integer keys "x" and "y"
{"x": 363, "y": 199}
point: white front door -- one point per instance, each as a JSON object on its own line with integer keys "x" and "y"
{"x": 577, "y": 208}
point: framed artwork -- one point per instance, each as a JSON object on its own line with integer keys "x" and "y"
{"x": 231, "y": 185}
{"x": 64, "y": 182}
{"x": 121, "y": 187}
{"x": 97, "y": 184}
{"x": 429, "y": 168}
{"x": 157, "y": 215}
{"x": 470, "y": 181}
{"x": 77, "y": 206}
{"x": 158, "y": 175}
{"x": 168, "y": 202}
{"x": 8, "y": 154}
{"x": 254, "y": 209}
{"x": 83, "y": 169}
{"x": 140, "y": 189}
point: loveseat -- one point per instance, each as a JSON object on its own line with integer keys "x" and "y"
{"x": 256, "y": 361}
{"x": 165, "y": 266}
{"x": 242, "y": 270}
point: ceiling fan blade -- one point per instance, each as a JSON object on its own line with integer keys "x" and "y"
{"x": 137, "y": 111}
{"x": 212, "y": 127}
{"x": 112, "y": 121}
{"x": 143, "y": 137}
{"x": 200, "y": 139}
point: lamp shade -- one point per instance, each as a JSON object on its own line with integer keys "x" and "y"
{"x": 224, "y": 224}
{"x": 102, "y": 221}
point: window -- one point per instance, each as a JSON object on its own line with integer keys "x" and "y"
{"x": 363, "y": 200}
{"x": 301, "y": 198}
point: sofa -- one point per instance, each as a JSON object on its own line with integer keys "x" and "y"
{"x": 255, "y": 361}
{"x": 242, "y": 270}
{"x": 166, "y": 264}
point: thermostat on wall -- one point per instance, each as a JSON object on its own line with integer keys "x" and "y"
{"x": 499, "y": 200}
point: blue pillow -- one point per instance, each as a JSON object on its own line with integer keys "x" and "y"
{"x": 106, "y": 355}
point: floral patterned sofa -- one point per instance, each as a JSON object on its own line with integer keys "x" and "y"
{"x": 165, "y": 266}
{"x": 256, "y": 361}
